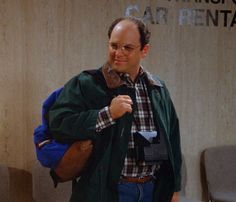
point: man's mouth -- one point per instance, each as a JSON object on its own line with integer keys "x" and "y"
{"x": 119, "y": 61}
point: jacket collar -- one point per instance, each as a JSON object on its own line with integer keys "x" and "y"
{"x": 113, "y": 79}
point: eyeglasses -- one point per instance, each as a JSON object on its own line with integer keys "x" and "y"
{"x": 126, "y": 49}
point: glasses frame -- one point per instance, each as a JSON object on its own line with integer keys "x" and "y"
{"x": 126, "y": 48}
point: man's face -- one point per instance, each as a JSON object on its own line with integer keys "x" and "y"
{"x": 125, "y": 51}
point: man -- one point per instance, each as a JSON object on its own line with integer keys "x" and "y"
{"x": 112, "y": 106}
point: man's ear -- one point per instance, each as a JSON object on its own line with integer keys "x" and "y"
{"x": 145, "y": 50}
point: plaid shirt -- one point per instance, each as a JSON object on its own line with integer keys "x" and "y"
{"x": 143, "y": 117}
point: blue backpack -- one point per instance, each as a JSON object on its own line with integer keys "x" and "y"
{"x": 66, "y": 161}
{"x": 48, "y": 151}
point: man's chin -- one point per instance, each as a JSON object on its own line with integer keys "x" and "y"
{"x": 118, "y": 68}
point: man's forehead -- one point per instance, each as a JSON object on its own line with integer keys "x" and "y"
{"x": 125, "y": 24}
{"x": 126, "y": 30}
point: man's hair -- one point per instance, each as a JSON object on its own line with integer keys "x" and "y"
{"x": 143, "y": 29}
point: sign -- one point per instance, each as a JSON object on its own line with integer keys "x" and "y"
{"x": 188, "y": 16}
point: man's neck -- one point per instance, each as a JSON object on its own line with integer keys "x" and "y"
{"x": 135, "y": 74}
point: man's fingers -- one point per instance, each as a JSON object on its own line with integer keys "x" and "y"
{"x": 127, "y": 101}
{"x": 120, "y": 105}
{"x": 118, "y": 108}
{"x": 125, "y": 98}
{"x": 127, "y": 107}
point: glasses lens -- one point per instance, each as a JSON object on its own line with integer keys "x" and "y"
{"x": 126, "y": 49}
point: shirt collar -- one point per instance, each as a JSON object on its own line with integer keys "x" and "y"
{"x": 114, "y": 79}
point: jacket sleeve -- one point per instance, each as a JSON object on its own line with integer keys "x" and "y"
{"x": 174, "y": 138}
{"x": 71, "y": 117}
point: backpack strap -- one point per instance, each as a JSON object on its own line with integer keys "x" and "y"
{"x": 98, "y": 76}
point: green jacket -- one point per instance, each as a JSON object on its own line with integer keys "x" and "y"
{"x": 74, "y": 116}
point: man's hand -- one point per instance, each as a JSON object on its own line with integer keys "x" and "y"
{"x": 120, "y": 105}
{"x": 175, "y": 197}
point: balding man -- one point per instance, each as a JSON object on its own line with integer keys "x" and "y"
{"x": 131, "y": 120}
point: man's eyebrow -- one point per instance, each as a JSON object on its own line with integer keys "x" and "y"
{"x": 125, "y": 44}
{"x": 129, "y": 44}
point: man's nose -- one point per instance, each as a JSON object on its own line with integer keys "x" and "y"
{"x": 119, "y": 51}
